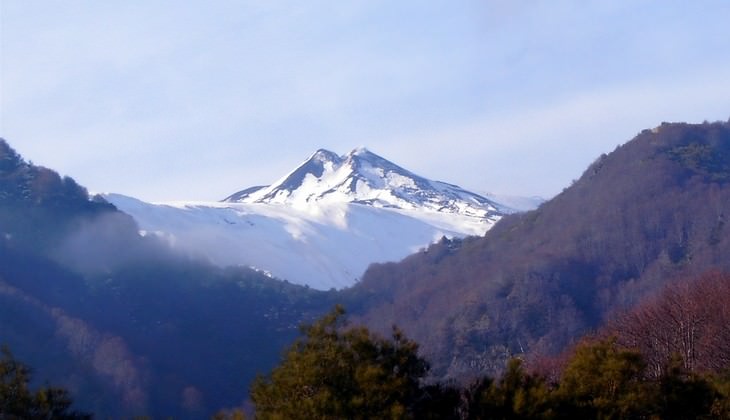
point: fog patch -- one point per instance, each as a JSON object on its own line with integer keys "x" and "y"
{"x": 106, "y": 242}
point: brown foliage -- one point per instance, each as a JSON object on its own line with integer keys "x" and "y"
{"x": 689, "y": 319}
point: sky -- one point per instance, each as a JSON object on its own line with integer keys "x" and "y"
{"x": 194, "y": 100}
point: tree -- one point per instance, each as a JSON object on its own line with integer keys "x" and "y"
{"x": 517, "y": 395}
{"x": 689, "y": 319}
{"x": 337, "y": 371}
{"x": 603, "y": 381}
{"x": 600, "y": 380}
{"x": 684, "y": 395}
{"x": 17, "y": 401}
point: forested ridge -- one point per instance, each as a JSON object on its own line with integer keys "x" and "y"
{"x": 652, "y": 211}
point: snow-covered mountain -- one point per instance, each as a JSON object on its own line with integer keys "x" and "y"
{"x": 363, "y": 177}
{"x": 323, "y": 223}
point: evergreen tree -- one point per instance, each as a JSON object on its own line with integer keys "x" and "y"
{"x": 336, "y": 372}
{"x": 517, "y": 395}
{"x": 603, "y": 381}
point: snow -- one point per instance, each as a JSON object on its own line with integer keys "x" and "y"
{"x": 365, "y": 177}
{"x": 323, "y": 246}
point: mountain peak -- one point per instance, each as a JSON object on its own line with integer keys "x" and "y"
{"x": 324, "y": 155}
{"x": 360, "y": 151}
{"x": 362, "y": 177}
{"x": 361, "y": 154}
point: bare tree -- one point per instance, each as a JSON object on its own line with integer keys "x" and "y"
{"x": 690, "y": 319}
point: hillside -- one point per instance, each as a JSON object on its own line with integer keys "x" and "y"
{"x": 650, "y": 211}
{"x": 122, "y": 321}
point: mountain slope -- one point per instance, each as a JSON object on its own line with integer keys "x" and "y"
{"x": 324, "y": 223}
{"x": 123, "y": 322}
{"x": 652, "y": 210}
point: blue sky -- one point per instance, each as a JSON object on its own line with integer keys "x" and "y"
{"x": 194, "y": 100}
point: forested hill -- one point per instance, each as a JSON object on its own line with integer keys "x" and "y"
{"x": 129, "y": 327}
{"x": 39, "y": 207}
{"x": 650, "y": 211}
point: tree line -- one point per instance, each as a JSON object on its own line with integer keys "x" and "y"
{"x": 336, "y": 372}
{"x": 667, "y": 358}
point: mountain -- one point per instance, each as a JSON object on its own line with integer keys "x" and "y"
{"x": 322, "y": 224}
{"x": 363, "y": 177}
{"x": 653, "y": 210}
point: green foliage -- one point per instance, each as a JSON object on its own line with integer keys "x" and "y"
{"x": 708, "y": 160}
{"x": 604, "y": 381}
{"x": 18, "y": 401}
{"x": 517, "y": 395}
{"x": 601, "y": 380}
{"x": 336, "y": 372}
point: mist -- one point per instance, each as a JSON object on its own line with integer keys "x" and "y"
{"x": 108, "y": 241}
